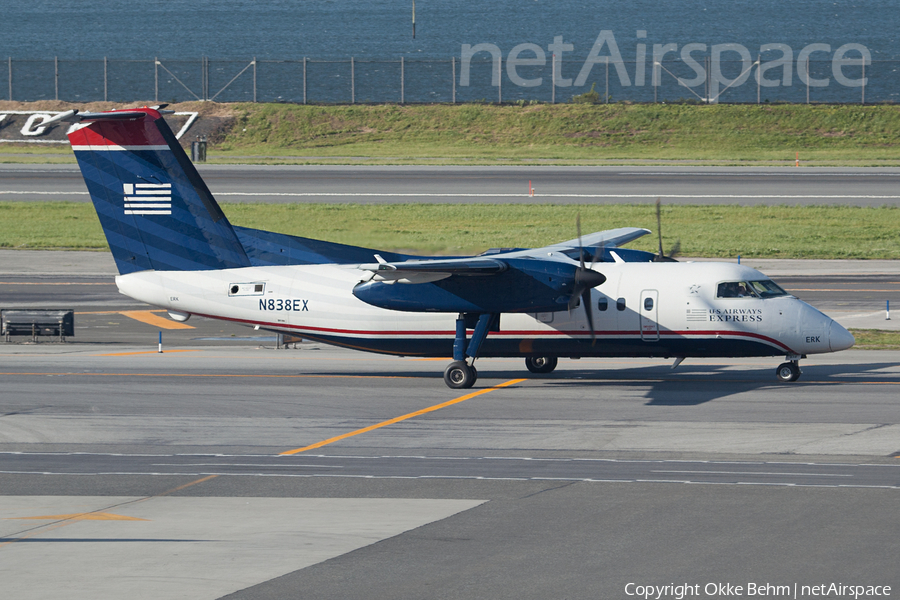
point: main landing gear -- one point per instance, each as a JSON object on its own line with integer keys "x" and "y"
{"x": 461, "y": 373}
{"x": 789, "y": 371}
{"x": 541, "y": 364}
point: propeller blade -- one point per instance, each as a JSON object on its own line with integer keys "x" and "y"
{"x": 585, "y": 279}
{"x": 659, "y": 227}
{"x": 661, "y": 257}
{"x": 586, "y": 303}
{"x": 580, "y": 244}
{"x": 676, "y": 249}
{"x": 573, "y": 299}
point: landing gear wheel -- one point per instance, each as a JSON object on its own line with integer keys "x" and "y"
{"x": 787, "y": 372}
{"x": 459, "y": 375}
{"x": 541, "y": 364}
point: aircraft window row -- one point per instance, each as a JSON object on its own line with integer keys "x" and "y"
{"x": 750, "y": 289}
{"x": 603, "y": 304}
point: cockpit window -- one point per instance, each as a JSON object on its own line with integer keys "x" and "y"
{"x": 767, "y": 288}
{"x": 735, "y": 289}
{"x": 749, "y": 289}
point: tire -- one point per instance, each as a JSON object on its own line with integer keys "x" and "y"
{"x": 541, "y": 364}
{"x": 459, "y": 375}
{"x": 787, "y": 372}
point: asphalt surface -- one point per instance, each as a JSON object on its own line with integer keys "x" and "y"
{"x": 454, "y": 184}
{"x": 225, "y": 467}
{"x": 571, "y": 485}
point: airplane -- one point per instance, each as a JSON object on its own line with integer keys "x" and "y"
{"x": 586, "y": 297}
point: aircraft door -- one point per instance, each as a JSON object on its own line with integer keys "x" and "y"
{"x": 649, "y": 311}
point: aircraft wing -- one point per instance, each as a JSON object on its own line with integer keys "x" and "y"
{"x": 611, "y": 238}
{"x": 431, "y": 270}
{"x": 534, "y": 280}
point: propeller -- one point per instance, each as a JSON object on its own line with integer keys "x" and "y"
{"x": 586, "y": 278}
{"x": 661, "y": 257}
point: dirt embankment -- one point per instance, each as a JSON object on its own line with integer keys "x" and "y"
{"x": 214, "y": 123}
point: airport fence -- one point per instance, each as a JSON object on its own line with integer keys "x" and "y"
{"x": 451, "y": 80}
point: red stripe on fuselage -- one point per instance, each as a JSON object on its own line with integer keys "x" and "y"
{"x": 509, "y": 333}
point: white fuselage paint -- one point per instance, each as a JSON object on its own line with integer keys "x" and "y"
{"x": 686, "y": 317}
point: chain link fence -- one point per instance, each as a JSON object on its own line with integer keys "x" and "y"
{"x": 371, "y": 81}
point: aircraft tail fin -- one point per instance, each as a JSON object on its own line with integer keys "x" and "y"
{"x": 155, "y": 210}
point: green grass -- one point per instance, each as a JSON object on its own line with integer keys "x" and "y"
{"x": 536, "y": 133}
{"x": 707, "y": 231}
{"x": 574, "y": 132}
{"x": 876, "y": 339}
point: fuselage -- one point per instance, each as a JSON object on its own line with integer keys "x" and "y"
{"x": 641, "y": 310}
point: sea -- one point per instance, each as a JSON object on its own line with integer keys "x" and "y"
{"x": 635, "y": 50}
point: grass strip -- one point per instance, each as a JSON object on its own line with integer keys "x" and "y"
{"x": 534, "y": 132}
{"x": 571, "y": 131}
{"x": 819, "y": 232}
{"x": 876, "y": 339}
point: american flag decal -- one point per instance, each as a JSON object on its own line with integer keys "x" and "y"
{"x": 148, "y": 198}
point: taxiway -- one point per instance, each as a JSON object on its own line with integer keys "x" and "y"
{"x": 224, "y": 467}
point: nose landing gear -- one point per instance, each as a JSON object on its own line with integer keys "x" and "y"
{"x": 789, "y": 371}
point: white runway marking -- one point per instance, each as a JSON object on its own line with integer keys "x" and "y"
{"x": 499, "y": 195}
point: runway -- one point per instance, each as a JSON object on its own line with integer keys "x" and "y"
{"x": 226, "y": 468}
{"x": 460, "y": 184}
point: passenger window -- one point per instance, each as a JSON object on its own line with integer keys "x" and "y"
{"x": 602, "y": 303}
{"x": 648, "y": 303}
{"x": 620, "y": 304}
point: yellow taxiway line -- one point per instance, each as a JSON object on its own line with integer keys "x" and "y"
{"x": 146, "y": 316}
{"x": 401, "y": 418}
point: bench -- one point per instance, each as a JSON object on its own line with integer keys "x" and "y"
{"x": 35, "y": 322}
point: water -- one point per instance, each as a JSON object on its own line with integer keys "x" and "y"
{"x": 178, "y": 30}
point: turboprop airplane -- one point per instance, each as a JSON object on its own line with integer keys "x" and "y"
{"x": 175, "y": 249}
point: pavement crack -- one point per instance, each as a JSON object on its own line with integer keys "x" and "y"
{"x": 552, "y": 489}
{"x": 873, "y": 427}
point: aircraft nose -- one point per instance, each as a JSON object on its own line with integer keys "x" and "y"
{"x": 839, "y": 338}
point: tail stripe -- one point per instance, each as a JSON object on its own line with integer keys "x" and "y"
{"x": 113, "y": 147}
